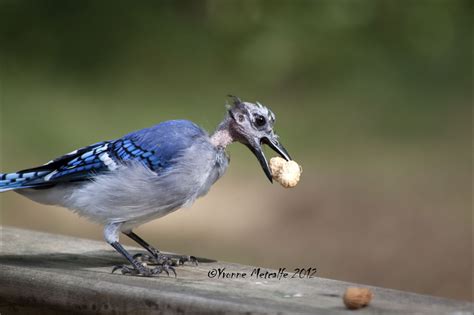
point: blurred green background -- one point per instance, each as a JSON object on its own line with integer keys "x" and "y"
{"x": 373, "y": 98}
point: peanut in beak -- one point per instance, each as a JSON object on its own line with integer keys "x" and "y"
{"x": 287, "y": 173}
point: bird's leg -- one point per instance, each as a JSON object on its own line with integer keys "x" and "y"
{"x": 154, "y": 252}
{"x": 111, "y": 233}
{"x": 159, "y": 258}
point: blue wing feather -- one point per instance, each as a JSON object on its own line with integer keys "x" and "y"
{"x": 156, "y": 147}
{"x": 77, "y": 165}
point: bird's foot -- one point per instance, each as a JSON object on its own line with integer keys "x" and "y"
{"x": 142, "y": 270}
{"x": 166, "y": 259}
{"x": 182, "y": 259}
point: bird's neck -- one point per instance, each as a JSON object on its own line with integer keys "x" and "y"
{"x": 222, "y": 136}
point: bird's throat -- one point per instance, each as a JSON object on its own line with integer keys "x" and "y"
{"x": 222, "y": 136}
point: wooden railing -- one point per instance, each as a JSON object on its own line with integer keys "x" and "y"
{"x": 43, "y": 273}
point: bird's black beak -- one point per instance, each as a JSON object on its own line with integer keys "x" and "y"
{"x": 272, "y": 142}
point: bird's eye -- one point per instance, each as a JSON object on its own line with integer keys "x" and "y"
{"x": 260, "y": 121}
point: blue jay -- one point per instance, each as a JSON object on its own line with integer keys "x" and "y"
{"x": 146, "y": 174}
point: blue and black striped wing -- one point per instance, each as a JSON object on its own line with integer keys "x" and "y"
{"x": 77, "y": 165}
{"x": 81, "y": 165}
{"x": 105, "y": 156}
{"x": 84, "y": 164}
{"x": 125, "y": 150}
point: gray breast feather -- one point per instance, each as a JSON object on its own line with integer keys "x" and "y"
{"x": 134, "y": 194}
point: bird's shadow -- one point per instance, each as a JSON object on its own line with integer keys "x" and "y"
{"x": 91, "y": 259}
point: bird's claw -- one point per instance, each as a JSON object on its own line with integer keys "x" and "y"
{"x": 181, "y": 260}
{"x": 132, "y": 271}
{"x": 144, "y": 258}
{"x": 167, "y": 269}
{"x": 166, "y": 259}
{"x": 145, "y": 271}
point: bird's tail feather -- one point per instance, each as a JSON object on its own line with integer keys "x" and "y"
{"x": 19, "y": 180}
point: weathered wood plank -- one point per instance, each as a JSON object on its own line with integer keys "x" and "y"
{"x": 45, "y": 273}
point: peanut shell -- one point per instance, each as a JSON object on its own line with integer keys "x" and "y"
{"x": 355, "y": 298}
{"x": 287, "y": 173}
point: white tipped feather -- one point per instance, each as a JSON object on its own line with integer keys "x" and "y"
{"x": 104, "y": 157}
{"x": 48, "y": 177}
